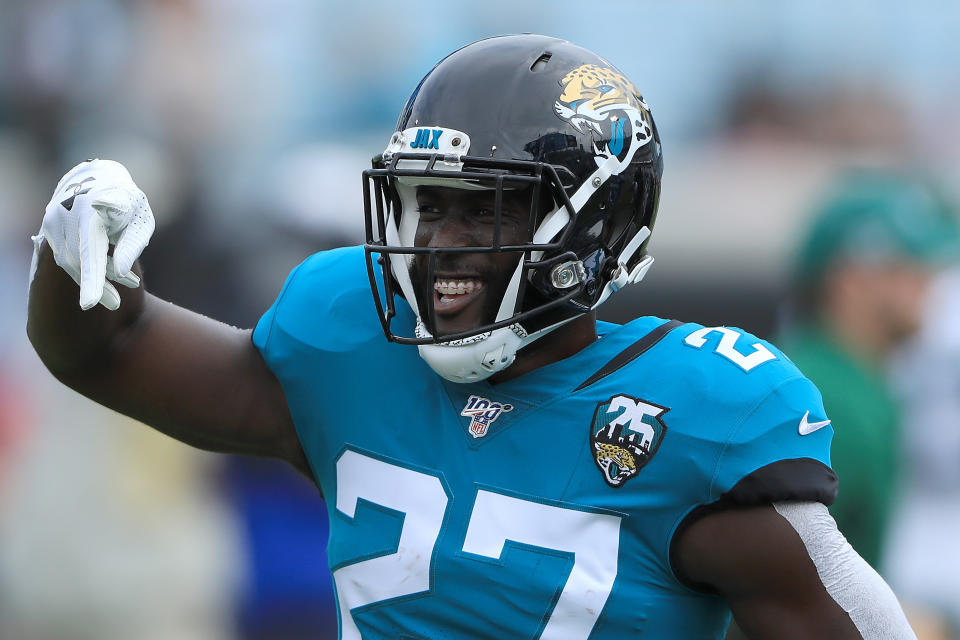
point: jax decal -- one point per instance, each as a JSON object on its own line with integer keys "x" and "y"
{"x": 625, "y": 434}
{"x": 482, "y": 412}
{"x": 427, "y": 139}
{"x": 604, "y": 101}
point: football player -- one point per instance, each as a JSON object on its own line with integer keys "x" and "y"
{"x": 526, "y": 471}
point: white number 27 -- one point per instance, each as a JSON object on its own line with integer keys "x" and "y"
{"x": 593, "y": 538}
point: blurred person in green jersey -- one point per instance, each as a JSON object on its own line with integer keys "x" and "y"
{"x": 861, "y": 276}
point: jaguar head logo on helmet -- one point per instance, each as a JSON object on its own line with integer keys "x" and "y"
{"x": 605, "y": 101}
{"x": 499, "y": 221}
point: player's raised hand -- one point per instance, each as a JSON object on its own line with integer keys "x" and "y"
{"x": 96, "y": 205}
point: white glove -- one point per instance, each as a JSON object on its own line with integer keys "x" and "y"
{"x": 96, "y": 204}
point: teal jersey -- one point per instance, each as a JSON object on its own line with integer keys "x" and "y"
{"x": 545, "y": 506}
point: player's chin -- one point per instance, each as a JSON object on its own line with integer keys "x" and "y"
{"x": 463, "y": 313}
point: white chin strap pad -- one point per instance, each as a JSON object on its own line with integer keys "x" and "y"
{"x": 478, "y": 357}
{"x": 472, "y": 360}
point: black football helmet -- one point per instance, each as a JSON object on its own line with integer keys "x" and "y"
{"x": 522, "y": 115}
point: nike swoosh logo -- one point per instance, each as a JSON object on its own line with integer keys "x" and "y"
{"x": 806, "y": 428}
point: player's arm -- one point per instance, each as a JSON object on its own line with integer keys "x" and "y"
{"x": 787, "y": 572}
{"x": 193, "y": 378}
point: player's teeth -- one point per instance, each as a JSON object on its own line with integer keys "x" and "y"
{"x": 456, "y": 287}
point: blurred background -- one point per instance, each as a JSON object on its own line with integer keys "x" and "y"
{"x": 248, "y": 122}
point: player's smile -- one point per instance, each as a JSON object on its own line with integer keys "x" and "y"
{"x": 468, "y": 297}
{"x": 451, "y": 294}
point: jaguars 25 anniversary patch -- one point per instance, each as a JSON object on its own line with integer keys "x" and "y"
{"x": 625, "y": 434}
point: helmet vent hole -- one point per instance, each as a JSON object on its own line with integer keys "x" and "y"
{"x": 541, "y": 62}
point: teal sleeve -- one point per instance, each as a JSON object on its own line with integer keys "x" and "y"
{"x": 264, "y": 328}
{"x": 325, "y": 307}
{"x": 767, "y": 458}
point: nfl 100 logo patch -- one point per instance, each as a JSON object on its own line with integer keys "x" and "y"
{"x": 482, "y": 412}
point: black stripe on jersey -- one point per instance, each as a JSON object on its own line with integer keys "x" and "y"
{"x": 791, "y": 480}
{"x": 632, "y": 352}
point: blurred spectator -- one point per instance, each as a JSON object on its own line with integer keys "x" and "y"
{"x": 862, "y": 274}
